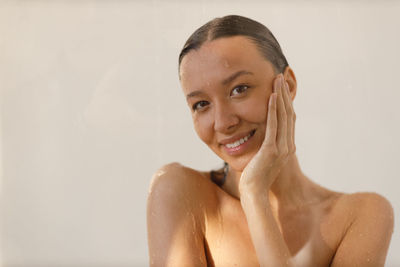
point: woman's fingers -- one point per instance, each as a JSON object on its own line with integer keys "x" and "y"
{"x": 272, "y": 122}
{"x": 281, "y": 119}
{"x": 281, "y": 139}
{"x": 291, "y": 117}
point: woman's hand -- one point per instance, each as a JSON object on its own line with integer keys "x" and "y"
{"x": 278, "y": 145}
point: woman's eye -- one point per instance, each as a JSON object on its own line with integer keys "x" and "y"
{"x": 239, "y": 89}
{"x": 199, "y": 105}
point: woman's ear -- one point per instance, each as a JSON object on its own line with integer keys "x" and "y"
{"x": 290, "y": 78}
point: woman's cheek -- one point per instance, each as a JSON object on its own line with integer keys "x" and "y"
{"x": 203, "y": 127}
{"x": 255, "y": 110}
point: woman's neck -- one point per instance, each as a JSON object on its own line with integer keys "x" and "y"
{"x": 290, "y": 189}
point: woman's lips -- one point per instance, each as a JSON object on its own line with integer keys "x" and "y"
{"x": 238, "y": 145}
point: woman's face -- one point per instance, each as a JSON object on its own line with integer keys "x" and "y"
{"x": 227, "y": 84}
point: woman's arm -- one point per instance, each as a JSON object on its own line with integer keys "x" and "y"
{"x": 261, "y": 172}
{"x": 174, "y": 220}
{"x": 367, "y": 239}
{"x": 268, "y": 241}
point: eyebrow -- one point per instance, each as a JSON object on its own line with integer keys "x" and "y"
{"x": 235, "y": 75}
{"x": 224, "y": 82}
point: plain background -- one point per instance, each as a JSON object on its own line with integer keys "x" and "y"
{"x": 91, "y": 106}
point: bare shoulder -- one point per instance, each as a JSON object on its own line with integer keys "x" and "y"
{"x": 181, "y": 190}
{"x": 367, "y": 207}
{"x": 367, "y": 204}
{"x": 176, "y": 173}
{"x": 373, "y": 211}
{"x": 176, "y": 209}
{"x": 174, "y": 180}
{"x": 342, "y": 211}
{"x": 368, "y": 219}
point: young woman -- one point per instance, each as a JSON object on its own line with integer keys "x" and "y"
{"x": 260, "y": 209}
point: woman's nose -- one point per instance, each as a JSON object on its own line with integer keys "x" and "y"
{"x": 225, "y": 118}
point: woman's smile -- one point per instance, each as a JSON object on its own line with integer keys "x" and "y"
{"x": 237, "y": 144}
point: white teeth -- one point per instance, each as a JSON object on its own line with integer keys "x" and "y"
{"x": 238, "y": 142}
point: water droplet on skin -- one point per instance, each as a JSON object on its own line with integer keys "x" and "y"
{"x": 226, "y": 64}
{"x": 159, "y": 173}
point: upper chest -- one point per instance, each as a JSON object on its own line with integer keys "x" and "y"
{"x": 311, "y": 237}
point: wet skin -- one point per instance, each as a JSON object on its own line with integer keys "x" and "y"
{"x": 193, "y": 222}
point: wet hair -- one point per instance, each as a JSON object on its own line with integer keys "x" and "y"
{"x": 234, "y": 25}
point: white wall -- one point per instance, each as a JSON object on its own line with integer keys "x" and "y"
{"x": 91, "y": 107}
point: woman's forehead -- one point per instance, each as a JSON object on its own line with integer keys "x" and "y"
{"x": 216, "y": 59}
{"x": 222, "y": 52}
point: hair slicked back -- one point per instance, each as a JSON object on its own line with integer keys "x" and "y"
{"x": 234, "y": 25}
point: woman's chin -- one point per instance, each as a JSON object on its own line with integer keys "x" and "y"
{"x": 238, "y": 164}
